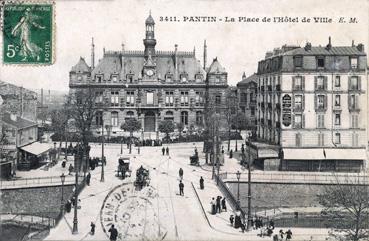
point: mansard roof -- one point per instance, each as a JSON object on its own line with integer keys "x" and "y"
{"x": 81, "y": 66}
{"x": 132, "y": 63}
{"x": 245, "y": 81}
{"x": 339, "y": 50}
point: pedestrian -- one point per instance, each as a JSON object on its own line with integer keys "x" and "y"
{"x": 213, "y": 209}
{"x": 231, "y": 219}
{"x": 237, "y": 220}
{"x": 181, "y": 187}
{"x": 222, "y": 149}
{"x": 180, "y": 173}
{"x": 288, "y": 234}
{"x": 163, "y": 150}
{"x": 281, "y": 233}
{"x": 271, "y": 224}
{"x": 73, "y": 201}
{"x": 70, "y": 169}
{"x": 231, "y": 154}
{"x": 243, "y": 149}
{"x": 68, "y": 206}
{"x": 167, "y": 150}
{"x": 63, "y": 163}
{"x": 113, "y": 233}
{"x": 275, "y": 237}
{"x": 224, "y": 206}
{"x": 218, "y": 200}
{"x": 201, "y": 183}
{"x": 88, "y": 178}
{"x": 92, "y": 228}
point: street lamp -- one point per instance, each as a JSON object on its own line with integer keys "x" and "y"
{"x": 238, "y": 175}
{"x": 249, "y": 185}
{"x": 121, "y": 145}
{"x": 62, "y": 178}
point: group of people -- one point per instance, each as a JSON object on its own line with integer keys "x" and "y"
{"x": 283, "y": 235}
{"x": 165, "y": 151}
{"x": 112, "y": 230}
{"x": 218, "y": 205}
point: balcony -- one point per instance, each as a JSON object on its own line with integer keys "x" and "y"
{"x": 262, "y": 121}
{"x": 320, "y": 108}
{"x": 262, "y": 88}
{"x": 320, "y": 88}
{"x": 269, "y": 122}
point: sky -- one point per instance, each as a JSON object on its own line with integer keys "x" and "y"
{"x": 237, "y": 45}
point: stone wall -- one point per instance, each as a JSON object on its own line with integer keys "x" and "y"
{"x": 38, "y": 201}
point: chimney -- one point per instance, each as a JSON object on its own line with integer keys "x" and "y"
{"x": 353, "y": 43}
{"x": 360, "y": 47}
{"x": 122, "y": 47}
{"x": 329, "y": 46}
{"x": 308, "y": 46}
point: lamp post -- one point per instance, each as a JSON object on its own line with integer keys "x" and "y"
{"x": 238, "y": 175}
{"x": 121, "y": 145}
{"x": 78, "y": 162}
{"x": 102, "y": 179}
{"x": 249, "y": 187}
{"x": 62, "y": 178}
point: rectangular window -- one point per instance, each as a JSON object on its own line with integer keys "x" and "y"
{"x": 298, "y": 61}
{"x": 320, "y": 102}
{"x": 337, "y": 119}
{"x": 149, "y": 98}
{"x": 298, "y": 102}
{"x": 320, "y": 62}
{"x": 98, "y": 78}
{"x": 298, "y": 83}
{"x": 337, "y": 100}
{"x": 355, "y": 139}
{"x": 114, "y": 98}
{"x": 99, "y": 118}
{"x": 337, "y": 138}
{"x": 130, "y": 98}
{"x": 354, "y": 83}
{"x": 184, "y": 98}
{"x": 320, "y": 83}
{"x": 320, "y": 121}
{"x": 114, "y": 118}
{"x": 169, "y": 98}
{"x": 353, "y": 63}
{"x": 199, "y": 101}
{"x": 354, "y": 121}
{"x": 98, "y": 97}
{"x": 298, "y": 121}
{"x": 337, "y": 81}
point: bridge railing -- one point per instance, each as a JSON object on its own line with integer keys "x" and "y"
{"x": 24, "y": 218}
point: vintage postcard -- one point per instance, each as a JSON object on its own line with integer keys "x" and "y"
{"x": 184, "y": 120}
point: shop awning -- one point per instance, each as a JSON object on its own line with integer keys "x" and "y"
{"x": 303, "y": 154}
{"x": 346, "y": 154}
{"x": 267, "y": 153}
{"x": 326, "y": 153}
{"x": 36, "y": 148}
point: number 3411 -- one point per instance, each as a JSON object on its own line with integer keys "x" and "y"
{"x": 11, "y": 50}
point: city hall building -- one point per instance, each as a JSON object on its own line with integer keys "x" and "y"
{"x": 312, "y": 109}
{"x": 150, "y": 85}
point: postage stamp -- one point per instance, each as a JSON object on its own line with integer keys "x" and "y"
{"x": 28, "y": 33}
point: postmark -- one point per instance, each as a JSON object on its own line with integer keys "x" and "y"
{"x": 28, "y": 33}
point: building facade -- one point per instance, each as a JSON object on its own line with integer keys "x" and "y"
{"x": 150, "y": 85}
{"x": 247, "y": 93}
{"x": 312, "y": 108}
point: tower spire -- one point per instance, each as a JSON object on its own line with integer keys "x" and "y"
{"x": 205, "y": 54}
{"x": 92, "y": 54}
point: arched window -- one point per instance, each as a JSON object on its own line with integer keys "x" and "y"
{"x": 169, "y": 116}
{"x": 184, "y": 117}
{"x": 199, "y": 118}
{"x": 129, "y": 115}
{"x": 198, "y": 78}
{"x": 183, "y": 77}
{"x": 99, "y": 118}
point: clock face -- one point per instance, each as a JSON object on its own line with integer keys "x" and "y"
{"x": 150, "y": 72}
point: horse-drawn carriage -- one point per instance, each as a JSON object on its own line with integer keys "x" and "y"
{"x": 142, "y": 177}
{"x": 123, "y": 167}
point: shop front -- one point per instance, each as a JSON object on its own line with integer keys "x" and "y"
{"x": 33, "y": 155}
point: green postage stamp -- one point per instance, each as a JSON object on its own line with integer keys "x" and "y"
{"x": 28, "y": 33}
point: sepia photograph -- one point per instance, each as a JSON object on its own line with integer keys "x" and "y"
{"x": 184, "y": 120}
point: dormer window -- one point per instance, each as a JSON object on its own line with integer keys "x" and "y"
{"x": 130, "y": 78}
{"x": 114, "y": 78}
{"x": 297, "y": 60}
{"x": 183, "y": 77}
{"x": 168, "y": 78}
{"x": 320, "y": 62}
{"x": 99, "y": 78}
{"x": 198, "y": 78}
{"x": 79, "y": 78}
{"x": 217, "y": 79}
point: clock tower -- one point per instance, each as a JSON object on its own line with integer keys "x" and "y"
{"x": 149, "y": 68}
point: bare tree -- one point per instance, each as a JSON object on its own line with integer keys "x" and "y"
{"x": 131, "y": 125}
{"x": 346, "y": 204}
{"x": 81, "y": 109}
